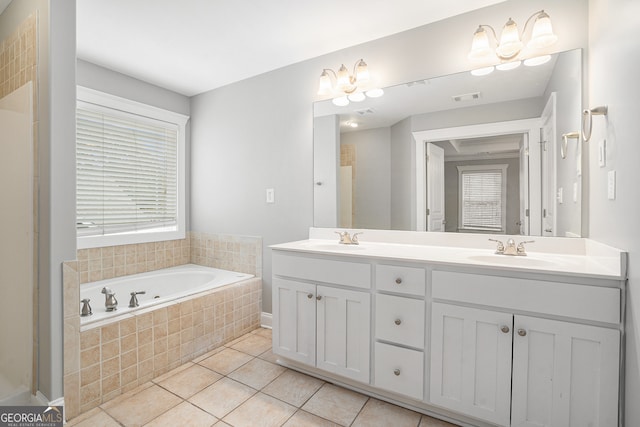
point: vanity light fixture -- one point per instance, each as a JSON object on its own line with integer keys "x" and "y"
{"x": 509, "y": 47}
{"x": 346, "y": 85}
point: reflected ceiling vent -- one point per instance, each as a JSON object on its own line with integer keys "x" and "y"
{"x": 466, "y": 97}
{"x": 365, "y": 111}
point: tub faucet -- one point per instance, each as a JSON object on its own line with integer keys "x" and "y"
{"x": 133, "y": 302}
{"x": 110, "y": 301}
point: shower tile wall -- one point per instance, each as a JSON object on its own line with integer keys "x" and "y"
{"x": 103, "y": 362}
{"x": 19, "y": 65}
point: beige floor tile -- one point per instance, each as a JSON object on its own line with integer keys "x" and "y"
{"x": 208, "y": 354}
{"x": 172, "y": 372}
{"x": 253, "y": 345}
{"x": 427, "y": 421}
{"x": 257, "y": 373}
{"x": 221, "y": 424}
{"x": 269, "y": 356}
{"x": 190, "y": 381}
{"x": 293, "y": 387}
{"x": 222, "y": 397}
{"x": 227, "y": 361}
{"x": 305, "y": 419}
{"x": 93, "y": 418}
{"x": 377, "y": 413}
{"x": 260, "y": 411}
{"x": 184, "y": 415}
{"x": 263, "y": 332}
{"x": 237, "y": 340}
{"x": 336, "y": 404}
{"x": 142, "y": 407}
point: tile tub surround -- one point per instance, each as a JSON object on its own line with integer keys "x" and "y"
{"x": 240, "y": 384}
{"x": 114, "y": 369}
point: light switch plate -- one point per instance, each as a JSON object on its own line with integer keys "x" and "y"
{"x": 611, "y": 185}
{"x": 602, "y": 153}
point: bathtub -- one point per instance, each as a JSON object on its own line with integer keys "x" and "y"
{"x": 161, "y": 287}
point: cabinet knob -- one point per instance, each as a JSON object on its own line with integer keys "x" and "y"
{"x": 396, "y": 372}
{"x": 505, "y": 329}
{"x": 319, "y": 297}
{"x": 398, "y": 321}
{"x": 522, "y": 332}
{"x": 310, "y": 296}
{"x": 398, "y": 281}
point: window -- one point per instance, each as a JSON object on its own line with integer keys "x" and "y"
{"x": 130, "y": 171}
{"x": 482, "y": 197}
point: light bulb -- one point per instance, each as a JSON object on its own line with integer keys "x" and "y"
{"x": 342, "y": 81}
{"x": 480, "y": 49}
{"x": 362, "y": 72}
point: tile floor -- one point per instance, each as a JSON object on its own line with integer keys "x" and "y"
{"x": 240, "y": 385}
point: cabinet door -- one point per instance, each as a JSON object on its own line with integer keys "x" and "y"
{"x": 294, "y": 320}
{"x": 471, "y": 361}
{"x": 564, "y": 374}
{"x": 344, "y": 319}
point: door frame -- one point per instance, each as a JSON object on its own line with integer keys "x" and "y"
{"x": 531, "y": 127}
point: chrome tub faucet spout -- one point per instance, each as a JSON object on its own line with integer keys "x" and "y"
{"x": 110, "y": 301}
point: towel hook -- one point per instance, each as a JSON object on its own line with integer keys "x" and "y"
{"x": 565, "y": 138}
{"x": 587, "y": 120}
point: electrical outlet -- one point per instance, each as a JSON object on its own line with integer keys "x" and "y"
{"x": 271, "y": 195}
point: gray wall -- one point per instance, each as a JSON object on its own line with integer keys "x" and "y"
{"x": 403, "y": 171}
{"x": 372, "y": 204}
{"x": 257, "y": 133}
{"x": 451, "y": 190}
{"x": 614, "y": 66}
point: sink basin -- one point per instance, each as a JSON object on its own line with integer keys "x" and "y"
{"x": 514, "y": 261}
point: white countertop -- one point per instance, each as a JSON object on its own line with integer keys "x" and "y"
{"x": 564, "y": 257}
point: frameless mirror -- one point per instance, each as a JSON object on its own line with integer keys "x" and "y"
{"x": 458, "y": 153}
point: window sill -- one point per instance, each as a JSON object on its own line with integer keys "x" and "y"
{"x": 145, "y": 236}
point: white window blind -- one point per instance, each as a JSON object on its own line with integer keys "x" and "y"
{"x": 483, "y": 198}
{"x": 127, "y": 172}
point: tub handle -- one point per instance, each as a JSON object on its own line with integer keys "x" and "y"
{"x": 133, "y": 302}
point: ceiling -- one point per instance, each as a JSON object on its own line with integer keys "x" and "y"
{"x": 4, "y": 4}
{"x": 192, "y": 46}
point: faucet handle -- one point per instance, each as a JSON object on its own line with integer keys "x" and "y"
{"x": 521, "y": 249}
{"x": 500, "y": 246}
{"x": 354, "y": 238}
{"x": 133, "y": 302}
{"x": 342, "y": 235}
{"x": 86, "y": 308}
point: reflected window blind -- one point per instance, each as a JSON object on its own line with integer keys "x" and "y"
{"x": 482, "y": 199}
{"x": 126, "y": 173}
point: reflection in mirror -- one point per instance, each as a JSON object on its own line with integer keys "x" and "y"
{"x": 458, "y": 153}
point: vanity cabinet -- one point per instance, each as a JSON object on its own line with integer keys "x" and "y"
{"x": 521, "y": 370}
{"x": 324, "y": 326}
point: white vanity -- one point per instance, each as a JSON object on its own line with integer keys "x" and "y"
{"x": 437, "y": 322}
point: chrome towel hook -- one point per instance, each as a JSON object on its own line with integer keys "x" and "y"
{"x": 565, "y": 138}
{"x": 587, "y": 118}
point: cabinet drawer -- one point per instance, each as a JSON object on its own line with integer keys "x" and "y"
{"x": 400, "y": 320}
{"x": 399, "y": 370}
{"x": 562, "y": 299}
{"x": 403, "y": 280}
{"x": 322, "y": 270}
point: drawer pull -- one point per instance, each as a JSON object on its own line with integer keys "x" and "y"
{"x": 522, "y": 332}
{"x": 319, "y": 297}
{"x": 505, "y": 329}
{"x": 396, "y": 372}
{"x": 398, "y": 322}
{"x": 310, "y": 296}
{"x": 398, "y": 281}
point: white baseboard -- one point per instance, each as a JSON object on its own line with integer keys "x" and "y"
{"x": 266, "y": 320}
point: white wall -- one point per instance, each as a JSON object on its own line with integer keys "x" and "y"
{"x": 372, "y": 204}
{"x": 257, "y": 133}
{"x": 614, "y": 67}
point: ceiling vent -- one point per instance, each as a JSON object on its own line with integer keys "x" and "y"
{"x": 466, "y": 97}
{"x": 365, "y": 111}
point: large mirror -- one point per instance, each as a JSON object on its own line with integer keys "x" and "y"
{"x": 496, "y": 153}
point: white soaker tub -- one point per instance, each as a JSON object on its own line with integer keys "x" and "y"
{"x": 160, "y": 286}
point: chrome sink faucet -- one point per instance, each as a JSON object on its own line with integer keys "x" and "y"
{"x": 110, "y": 301}
{"x": 346, "y": 239}
{"x": 511, "y": 248}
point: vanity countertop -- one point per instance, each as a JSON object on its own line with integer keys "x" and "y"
{"x": 564, "y": 257}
